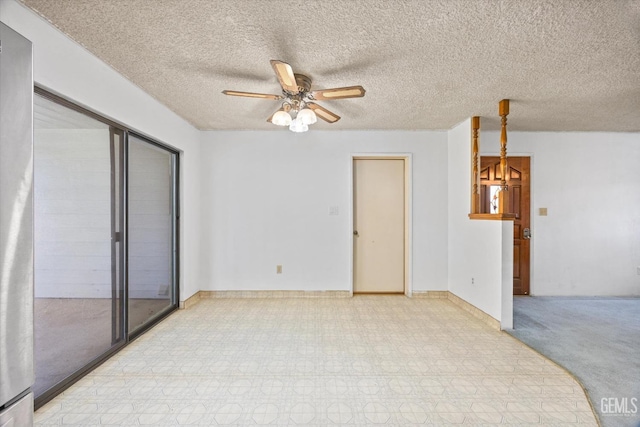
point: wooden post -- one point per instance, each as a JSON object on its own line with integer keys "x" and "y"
{"x": 475, "y": 192}
{"x": 503, "y": 195}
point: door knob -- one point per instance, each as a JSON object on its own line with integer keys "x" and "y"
{"x": 355, "y": 233}
{"x": 526, "y": 234}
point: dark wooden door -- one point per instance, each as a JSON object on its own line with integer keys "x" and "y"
{"x": 519, "y": 203}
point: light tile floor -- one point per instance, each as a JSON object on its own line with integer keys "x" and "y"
{"x": 353, "y": 361}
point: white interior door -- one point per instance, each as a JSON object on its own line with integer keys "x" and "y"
{"x": 378, "y": 225}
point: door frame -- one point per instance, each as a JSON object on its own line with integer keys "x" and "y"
{"x": 531, "y": 210}
{"x": 408, "y": 206}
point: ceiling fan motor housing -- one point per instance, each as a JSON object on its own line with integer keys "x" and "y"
{"x": 303, "y": 82}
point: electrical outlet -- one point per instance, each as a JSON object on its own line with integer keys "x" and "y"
{"x": 278, "y": 269}
{"x": 472, "y": 280}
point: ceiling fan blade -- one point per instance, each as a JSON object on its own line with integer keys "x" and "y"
{"x": 339, "y": 93}
{"x": 323, "y": 113}
{"x": 251, "y": 94}
{"x": 285, "y": 76}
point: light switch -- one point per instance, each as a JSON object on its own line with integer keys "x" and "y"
{"x": 543, "y": 211}
{"x": 334, "y": 210}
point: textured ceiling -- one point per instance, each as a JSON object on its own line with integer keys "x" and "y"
{"x": 565, "y": 65}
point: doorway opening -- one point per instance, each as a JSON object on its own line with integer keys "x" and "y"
{"x": 381, "y": 204}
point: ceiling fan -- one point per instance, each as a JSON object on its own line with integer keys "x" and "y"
{"x": 298, "y": 109}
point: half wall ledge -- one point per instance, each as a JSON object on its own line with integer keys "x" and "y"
{"x": 494, "y": 217}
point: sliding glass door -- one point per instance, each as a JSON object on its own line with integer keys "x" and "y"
{"x": 77, "y": 199}
{"x": 106, "y": 239}
{"x": 152, "y": 231}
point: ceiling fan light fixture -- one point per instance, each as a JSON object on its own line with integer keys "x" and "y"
{"x": 298, "y": 110}
{"x": 298, "y": 126}
{"x": 307, "y": 116}
{"x": 281, "y": 118}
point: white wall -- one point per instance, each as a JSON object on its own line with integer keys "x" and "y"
{"x": 265, "y": 195}
{"x": 266, "y": 199}
{"x": 477, "y": 249}
{"x": 64, "y": 67}
{"x": 72, "y": 218}
{"x": 589, "y": 243}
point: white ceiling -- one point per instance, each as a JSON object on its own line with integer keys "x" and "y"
{"x": 565, "y": 64}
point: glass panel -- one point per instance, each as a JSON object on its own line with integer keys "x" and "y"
{"x": 494, "y": 191}
{"x": 151, "y": 232}
{"x": 75, "y": 160}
